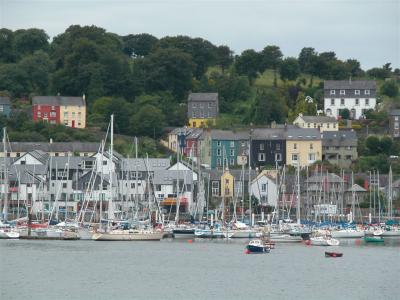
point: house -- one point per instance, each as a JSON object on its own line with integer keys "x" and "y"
{"x": 303, "y": 146}
{"x": 191, "y": 148}
{"x": 5, "y": 106}
{"x": 177, "y": 138}
{"x": 323, "y": 123}
{"x": 202, "y": 109}
{"x": 268, "y": 147}
{"x": 394, "y": 123}
{"x": 264, "y": 188}
{"x": 225, "y": 147}
{"x": 237, "y": 188}
{"x": 17, "y": 149}
{"x": 340, "y": 147}
{"x": 70, "y": 111}
{"x": 356, "y": 96}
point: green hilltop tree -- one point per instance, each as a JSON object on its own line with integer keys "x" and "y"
{"x": 248, "y": 63}
{"x": 302, "y": 106}
{"x": 289, "y": 69}
{"x": 271, "y": 58}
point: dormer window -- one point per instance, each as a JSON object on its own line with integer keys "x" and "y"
{"x": 332, "y": 92}
{"x": 367, "y": 92}
{"x": 342, "y": 92}
{"x": 194, "y": 105}
{"x": 357, "y": 92}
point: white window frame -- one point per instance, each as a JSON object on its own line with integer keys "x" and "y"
{"x": 232, "y": 152}
{"x": 332, "y": 102}
{"x": 278, "y": 156}
{"x": 261, "y": 156}
{"x": 367, "y": 92}
{"x": 232, "y": 161}
{"x": 262, "y": 147}
{"x": 357, "y": 102}
{"x": 342, "y": 92}
{"x": 263, "y": 187}
{"x": 232, "y": 144}
{"x": 366, "y": 101}
{"x": 218, "y": 143}
{"x": 295, "y": 155}
{"x": 342, "y": 102}
{"x": 356, "y": 92}
{"x": 218, "y": 151}
{"x": 332, "y": 92}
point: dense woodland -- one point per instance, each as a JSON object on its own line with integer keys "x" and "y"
{"x": 145, "y": 81}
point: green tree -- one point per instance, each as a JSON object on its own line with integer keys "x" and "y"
{"x": 168, "y": 69}
{"x": 303, "y": 106}
{"x": 354, "y": 67}
{"x": 147, "y": 121}
{"x": 224, "y": 57}
{"x": 139, "y": 44}
{"x": 27, "y": 41}
{"x": 389, "y": 88}
{"x": 14, "y": 79}
{"x": 344, "y": 113}
{"x": 268, "y": 107}
{"x": 248, "y": 63}
{"x": 373, "y": 145}
{"x": 7, "y": 54}
{"x": 271, "y": 58}
{"x": 289, "y": 69}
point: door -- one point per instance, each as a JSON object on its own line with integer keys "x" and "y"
{"x": 73, "y": 123}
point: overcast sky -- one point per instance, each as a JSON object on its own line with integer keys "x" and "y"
{"x": 368, "y": 30}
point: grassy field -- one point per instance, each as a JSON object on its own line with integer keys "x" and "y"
{"x": 266, "y": 79}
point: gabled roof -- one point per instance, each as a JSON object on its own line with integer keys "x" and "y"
{"x": 217, "y": 134}
{"x": 41, "y": 156}
{"x": 268, "y": 133}
{"x": 339, "y": 138}
{"x": 349, "y": 84}
{"x": 5, "y": 100}
{"x": 169, "y": 176}
{"x": 356, "y": 188}
{"x": 331, "y": 178}
{"x": 318, "y": 119}
{"x": 58, "y": 100}
{"x": 203, "y": 97}
{"x": 51, "y": 147}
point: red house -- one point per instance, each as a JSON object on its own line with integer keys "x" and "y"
{"x": 46, "y": 109}
{"x": 192, "y": 143}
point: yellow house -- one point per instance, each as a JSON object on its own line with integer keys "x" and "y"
{"x": 322, "y": 123}
{"x": 227, "y": 185}
{"x": 202, "y": 109}
{"x": 303, "y": 146}
{"x": 73, "y": 112}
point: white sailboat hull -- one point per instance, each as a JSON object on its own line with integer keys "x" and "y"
{"x": 244, "y": 234}
{"x": 342, "y": 234}
{"x": 126, "y": 235}
{"x": 391, "y": 233}
{"x": 9, "y": 235}
{"x": 321, "y": 241}
{"x": 285, "y": 238}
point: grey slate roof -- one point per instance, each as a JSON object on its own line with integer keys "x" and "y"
{"x": 217, "y": 134}
{"x": 331, "y": 178}
{"x": 395, "y": 112}
{"x": 303, "y": 134}
{"x": 349, "y": 85}
{"x": 236, "y": 173}
{"x": 268, "y": 133}
{"x": 319, "y": 119}
{"x": 339, "y": 138}
{"x": 58, "y": 100}
{"x": 203, "y": 97}
{"x": 195, "y": 133}
{"x": 5, "y": 100}
{"x": 141, "y": 164}
{"x": 52, "y": 147}
{"x": 27, "y": 173}
{"x": 169, "y": 176}
{"x": 40, "y": 156}
{"x": 75, "y": 162}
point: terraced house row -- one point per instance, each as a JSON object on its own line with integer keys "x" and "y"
{"x": 281, "y": 145}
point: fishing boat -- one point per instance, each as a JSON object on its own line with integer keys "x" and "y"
{"x": 347, "y": 233}
{"x": 258, "y": 246}
{"x": 48, "y": 234}
{"x": 333, "y": 254}
{"x": 374, "y": 239}
{"x": 128, "y": 235}
{"x": 323, "y": 241}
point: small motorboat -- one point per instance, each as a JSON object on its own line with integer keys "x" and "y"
{"x": 374, "y": 239}
{"x": 333, "y": 254}
{"x": 258, "y": 246}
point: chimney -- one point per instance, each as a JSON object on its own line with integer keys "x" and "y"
{"x": 83, "y": 97}
{"x": 350, "y": 80}
{"x": 273, "y": 124}
{"x": 51, "y": 141}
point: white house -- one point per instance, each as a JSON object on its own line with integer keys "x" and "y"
{"x": 264, "y": 188}
{"x": 356, "y": 96}
{"x": 323, "y": 123}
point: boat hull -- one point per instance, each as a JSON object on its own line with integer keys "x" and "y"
{"x": 129, "y": 236}
{"x": 373, "y": 239}
{"x": 323, "y": 242}
{"x": 183, "y": 233}
{"x": 333, "y": 254}
{"x": 9, "y": 235}
{"x": 257, "y": 249}
{"x": 244, "y": 234}
{"x": 285, "y": 238}
{"x": 342, "y": 234}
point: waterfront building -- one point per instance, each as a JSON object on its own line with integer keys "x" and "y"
{"x": 69, "y": 111}
{"x": 357, "y": 96}
{"x": 303, "y": 146}
{"x": 340, "y": 147}
{"x": 264, "y": 188}
{"x": 394, "y": 123}
{"x": 203, "y": 108}
{"x": 323, "y": 123}
{"x": 268, "y": 147}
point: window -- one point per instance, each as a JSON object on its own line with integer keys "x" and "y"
{"x": 261, "y": 147}
{"x": 308, "y": 125}
{"x": 366, "y": 92}
{"x": 311, "y": 146}
{"x": 18, "y": 154}
{"x": 44, "y": 115}
{"x": 232, "y": 144}
{"x": 327, "y": 125}
{"x": 278, "y": 147}
{"x": 357, "y": 92}
{"x": 158, "y": 187}
{"x": 66, "y": 115}
{"x": 334, "y": 125}
{"x": 218, "y": 162}
{"x": 232, "y": 152}
{"x": 357, "y": 101}
{"x": 39, "y": 115}
{"x": 232, "y": 161}
{"x": 66, "y": 122}
{"x": 332, "y": 92}
{"x": 104, "y": 163}
{"x": 294, "y": 157}
{"x": 1, "y": 107}
{"x": 52, "y": 114}
{"x": 396, "y": 118}
{"x": 366, "y": 102}
{"x": 194, "y": 114}
{"x": 209, "y": 104}
{"x": 294, "y": 146}
{"x": 263, "y": 187}
{"x": 218, "y": 152}
{"x": 342, "y": 101}
{"x": 215, "y": 188}
{"x": 194, "y": 105}
{"x": 261, "y": 157}
{"x": 311, "y": 156}
{"x": 64, "y": 185}
{"x": 278, "y": 157}
{"x": 332, "y": 101}
{"x": 23, "y": 162}
{"x": 219, "y": 143}
{"x": 342, "y": 92}
{"x": 73, "y": 115}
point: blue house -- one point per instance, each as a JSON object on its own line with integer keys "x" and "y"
{"x": 5, "y": 106}
{"x": 227, "y": 146}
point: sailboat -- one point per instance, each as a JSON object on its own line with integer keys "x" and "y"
{"x": 118, "y": 234}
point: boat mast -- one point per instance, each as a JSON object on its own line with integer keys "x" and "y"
{"x": 109, "y": 212}
{"x": 5, "y": 204}
{"x": 298, "y": 195}
{"x": 177, "y": 184}
{"x": 249, "y": 183}
{"x": 390, "y": 195}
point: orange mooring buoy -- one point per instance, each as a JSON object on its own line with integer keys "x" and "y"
{"x": 190, "y": 241}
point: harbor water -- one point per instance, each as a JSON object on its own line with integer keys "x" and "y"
{"x": 202, "y": 269}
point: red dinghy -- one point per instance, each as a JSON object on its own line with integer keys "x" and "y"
{"x": 333, "y": 254}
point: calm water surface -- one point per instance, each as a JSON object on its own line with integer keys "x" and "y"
{"x": 173, "y": 269}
